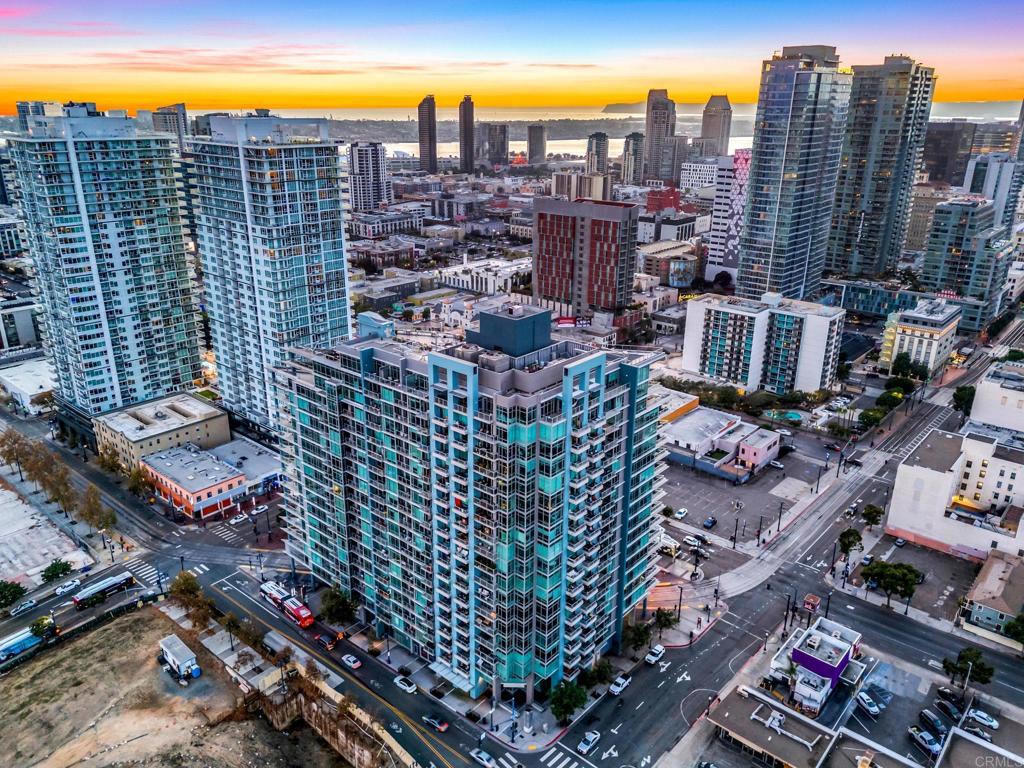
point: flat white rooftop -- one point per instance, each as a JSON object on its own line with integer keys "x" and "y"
{"x": 156, "y": 417}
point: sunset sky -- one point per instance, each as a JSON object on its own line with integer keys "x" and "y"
{"x": 522, "y": 53}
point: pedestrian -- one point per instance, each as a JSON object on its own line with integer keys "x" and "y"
{"x": 698, "y": 622}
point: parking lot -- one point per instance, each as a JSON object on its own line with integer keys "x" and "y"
{"x": 946, "y": 578}
{"x": 703, "y": 495}
{"x": 723, "y": 558}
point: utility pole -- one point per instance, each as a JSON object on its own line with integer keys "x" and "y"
{"x": 735, "y": 532}
{"x": 679, "y": 605}
{"x": 828, "y": 602}
{"x": 779, "y": 529}
{"x": 785, "y": 618}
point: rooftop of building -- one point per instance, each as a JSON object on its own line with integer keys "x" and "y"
{"x": 385, "y": 245}
{"x": 190, "y": 468}
{"x": 939, "y": 451}
{"x": 931, "y": 311}
{"x": 1007, "y": 375}
{"x": 33, "y": 376}
{"x": 701, "y": 424}
{"x": 1000, "y": 583}
{"x": 823, "y": 646}
{"x": 762, "y": 438}
{"x": 962, "y": 749}
{"x": 381, "y": 216}
{"x": 852, "y": 750}
{"x": 769, "y": 302}
{"x": 671, "y": 248}
{"x": 268, "y": 129}
{"x": 155, "y": 417}
{"x": 772, "y": 727}
{"x": 256, "y": 461}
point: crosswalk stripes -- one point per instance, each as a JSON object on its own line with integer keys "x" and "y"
{"x": 141, "y": 570}
{"x": 508, "y": 760}
{"x": 199, "y": 569}
{"x": 553, "y": 759}
{"x": 225, "y": 533}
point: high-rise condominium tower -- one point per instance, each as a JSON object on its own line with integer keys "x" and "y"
{"x": 27, "y": 109}
{"x": 104, "y": 227}
{"x": 492, "y": 505}
{"x": 727, "y": 214}
{"x": 536, "y": 144}
{"x": 584, "y": 253}
{"x": 497, "y": 144}
{"x": 633, "y": 159}
{"x": 885, "y": 130}
{"x": 172, "y": 119}
{"x": 798, "y": 140}
{"x": 368, "y": 183}
{"x": 467, "y": 153}
{"x": 999, "y": 178}
{"x": 428, "y": 134}
{"x": 661, "y": 123}
{"x": 271, "y": 232}
{"x": 597, "y": 153}
{"x": 716, "y": 125}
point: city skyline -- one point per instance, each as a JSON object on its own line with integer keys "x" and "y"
{"x": 154, "y": 54}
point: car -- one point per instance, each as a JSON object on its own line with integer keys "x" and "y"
{"x": 832, "y": 447}
{"x": 481, "y": 757}
{"x": 950, "y": 695}
{"x": 590, "y": 738}
{"x": 702, "y": 540}
{"x": 405, "y": 684}
{"x": 976, "y": 731}
{"x": 655, "y": 654}
{"x": 933, "y": 723}
{"x": 705, "y": 553}
{"x": 924, "y": 740}
{"x": 692, "y": 541}
{"x": 871, "y": 583}
{"x": 24, "y": 607}
{"x": 620, "y": 684}
{"x": 437, "y": 723}
{"x": 326, "y": 641}
{"x": 351, "y": 661}
{"x": 949, "y": 709}
{"x": 867, "y": 560}
{"x": 776, "y": 464}
{"x": 669, "y": 550}
{"x": 706, "y": 764}
{"x": 855, "y": 462}
{"x": 784, "y": 432}
{"x": 241, "y": 518}
{"x": 900, "y": 543}
{"x": 710, "y": 522}
{"x": 68, "y": 586}
{"x": 983, "y": 718}
{"x": 260, "y": 509}
{"x": 868, "y": 704}
{"x": 680, "y": 513}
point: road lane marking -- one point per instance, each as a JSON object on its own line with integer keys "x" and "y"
{"x": 638, "y": 706}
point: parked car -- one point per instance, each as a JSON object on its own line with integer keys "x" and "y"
{"x": 901, "y": 543}
{"x": 924, "y": 740}
{"x": 620, "y": 684}
{"x": 976, "y": 731}
{"x": 437, "y": 723}
{"x": 776, "y": 464}
{"x": 950, "y": 694}
{"x": 590, "y": 738}
{"x": 326, "y": 641}
{"x": 680, "y": 513}
{"x": 260, "y": 509}
{"x": 949, "y": 709}
{"x": 482, "y": 758}
{"x": 68, "y": 586}
{"x": 351, "y": 661}
{"x": 24, "y": 607}
{"x": 655, "y": 654}
{"x": 867, "y": 560}
{"x": 933, "y": 723}
{"x": 983, "y": 718}
{"x": 405, "y": 684}
{"x": 784, "y": 432}
{"x": 710, "y": 522}
{"x": 702, "y": 540}
{"x": 705, "y": 553}
{"x": 242, "y": 518}
{"x": 832, "y": 447}
{"x": 855, "y": 462}
{"x": 868, "y": 704}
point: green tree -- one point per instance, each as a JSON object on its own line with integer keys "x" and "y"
{"x": 90, "y": 507}
{"x": 1014, "y": 628}
{"x": 407, "y": 315}
{"x": 566, "y": 699}
{"x": 138, "y": 482}
{"x": 664, "y": 619}
{"x": 901, "y": 365}
{"x": 968, "y": 661}
{"x": 727, "y": 397}
{"x": 107, "y": 519}
{"x": 10, "y": 592}
{"x": 56, "y": 570}
{"x": 872, "y": 515}
{"x": 41, "y": 627}
{"x": 850, "y": 541}
{"x": 186, "y": 589}
{"x": 907, "y": 579}
{"x": 338, "y": 606}
{"x": 426, "y": 313}
{"x": 903, "y": 383}
{"x": 871, "y": 417}
{"x": 889, "y": 399}
{"x": 892, "y": 578}
{"x": 603, "y": 672}
{"x": 108, "y": 460}
{"x": 963, "y": 400}
{"x": 636, "y": 636}
{"x": 920, "y": 371}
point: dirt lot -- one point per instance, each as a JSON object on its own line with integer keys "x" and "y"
{"x": 102, "y": 698}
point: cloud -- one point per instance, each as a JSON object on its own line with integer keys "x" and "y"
{"x": 15, "y": 11}
{"x": 73, "y": 29}
{"x": 287, "y": 59}
{"x": 562, "y": 65}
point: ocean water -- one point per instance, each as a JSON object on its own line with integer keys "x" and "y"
{"x": 555, "y": 146}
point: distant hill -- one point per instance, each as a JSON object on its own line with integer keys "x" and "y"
{"x": 625, "y": 109}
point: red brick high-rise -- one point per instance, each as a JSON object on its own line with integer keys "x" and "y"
{"x": 584, "y": 253}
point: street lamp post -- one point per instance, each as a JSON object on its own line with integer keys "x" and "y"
{"x": 779, "y": 529}
{"x": 832, "y": 562}
{"x": 181, "y": 563}
{"x": 735, "y": 532}
{"x": 828, "y": 602}
{"x": 817, "y": 483}
{"x": 785, "y": 618}
{"x": 679, "y": 605}
{"x": 760, "y": 527}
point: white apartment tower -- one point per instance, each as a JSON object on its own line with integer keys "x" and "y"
{"x": 270, "y": 228}
{"x": 369, "y": 187}
{"x": 104, "y": 226}
{"x": 727, "y": 214}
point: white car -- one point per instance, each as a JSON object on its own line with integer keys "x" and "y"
{"x": 351, "y": 661}
{"x": 784, "y": 432}
{"x": 590, "y": 738}
{"x": 621, "y": 683}
{"x": 405, "y": 684}
{"x": 692, "y": 541}
{"x": 655, "y": 654}
{"x": 868, "y": 704}
{"x": 679, "y": 514}
{"x": 68, "y": 586}
{"x": 260, "y": 509}
{"x": 482, "y": 758}
{"x": 776, "y": 464}
{"x": 243, "y": 518}
{"x": 983, "y": 718}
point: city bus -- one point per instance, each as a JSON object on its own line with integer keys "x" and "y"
{"x": 274, "y": 593}
{"x": 102, "y": 589}
{"x": 297, "y": 612}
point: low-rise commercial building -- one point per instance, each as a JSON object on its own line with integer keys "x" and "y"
{"x": 193, "y": 481}
{"x": 997, "y": 597}
{"x": 999, "y": 397}
{"x": 776, "y": 344}
{"x": 158, "y": 425}
{"x": 372, "y": 226}
{"x": 815, "y": 660}
{"x": 388, "y": 252}
{"x": 29, "y": 384}
{"x": 485, "y": 276}
{"x": 675, "y": 263}
{"x": 926, "y": 333}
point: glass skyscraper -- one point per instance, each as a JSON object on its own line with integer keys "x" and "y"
{"x": 493, "y": 504}
{"x": 798, "y": 138}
